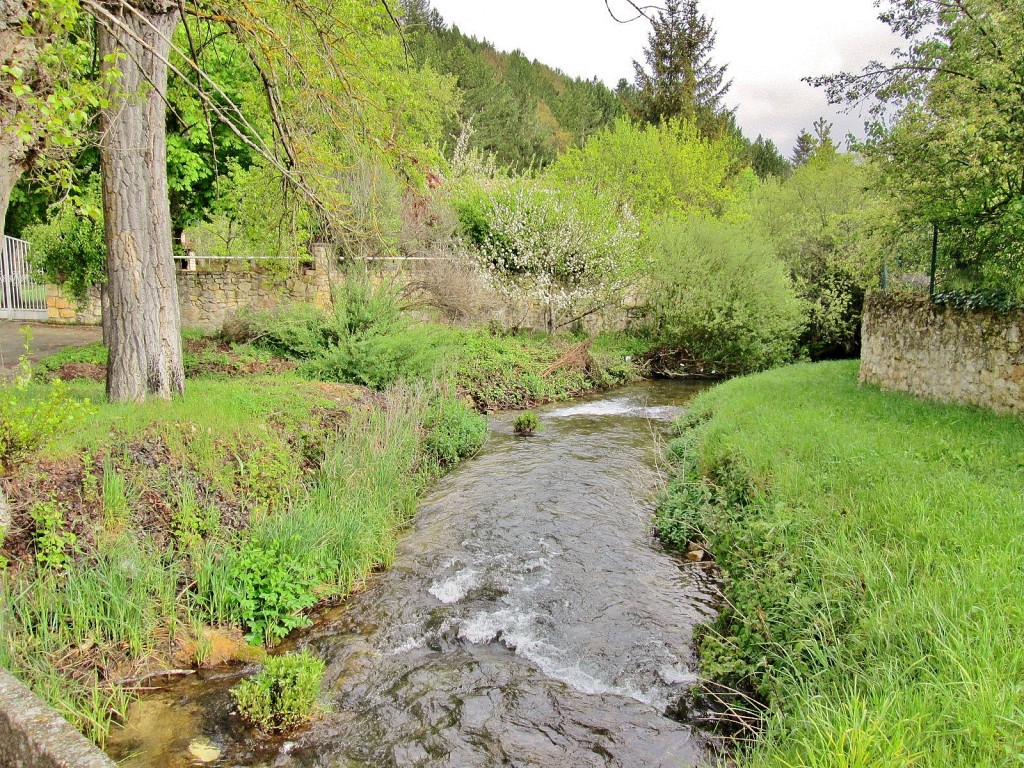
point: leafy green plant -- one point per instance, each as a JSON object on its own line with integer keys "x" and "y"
{"x": 269, "y": 589}
{"x": 455, "y": 431}
{"x": 31, "y": 415}
{"x": 55, "y": 544}
{"x": 191, "y": 520}
{"x": 526, "y": 423}
{"x": 282, "y": 695}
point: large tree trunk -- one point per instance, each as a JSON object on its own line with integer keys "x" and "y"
{"x": 10, "y": 172}
{"x": 16, "y": 50}
{"x": 142, "y": 323}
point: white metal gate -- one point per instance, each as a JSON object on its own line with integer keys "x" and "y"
{"x": 23, "y": 296}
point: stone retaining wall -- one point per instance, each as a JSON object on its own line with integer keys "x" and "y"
{"x": 34, "y": 736}
{"x": 959, "y": 356}
{"x": 215, "y": 291}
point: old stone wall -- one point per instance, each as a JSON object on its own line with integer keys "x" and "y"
{"x": 446, "y": 289}
{"x": 216, "y": 290}
{"x": 951, "y": 355}
{"x": 210, "y": 295}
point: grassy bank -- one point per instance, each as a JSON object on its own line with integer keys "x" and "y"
{"x": 183, "y": 534}
{"x": 872, "y": 553}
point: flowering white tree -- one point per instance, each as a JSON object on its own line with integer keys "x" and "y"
{"x": 562, "y": 249}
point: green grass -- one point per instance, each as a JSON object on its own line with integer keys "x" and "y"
{"x": 366, "y": 339}
{"x": 241, "y": 504}
{"x": 872, "y": 551}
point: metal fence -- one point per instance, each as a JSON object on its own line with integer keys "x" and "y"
{"x": 24, "y": 290}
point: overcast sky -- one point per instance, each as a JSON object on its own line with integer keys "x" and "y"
{"x": 768, "y": 44}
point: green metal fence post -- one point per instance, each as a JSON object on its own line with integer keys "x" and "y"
{"x": 935, "y": 256}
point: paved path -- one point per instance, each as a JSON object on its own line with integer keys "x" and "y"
{"x": 46, "y": 339}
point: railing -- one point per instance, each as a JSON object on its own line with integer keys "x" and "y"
{"x": 23, "y": 295}
{"x": 194, "y": 262}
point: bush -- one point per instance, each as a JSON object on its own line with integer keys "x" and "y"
{"x": 526, "y": 423}
{"x": 363, "y": 339}
{"x": 720, "y": 299}
{"x": 283, "y": 694}
{"x": 455, "y": 431}
{"x": 70, "y": 248}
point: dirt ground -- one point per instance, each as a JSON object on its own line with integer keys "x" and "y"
{"x": 46, "y": 339}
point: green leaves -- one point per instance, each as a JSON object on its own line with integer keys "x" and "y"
{"x": 951, "y": 144}
{"x": 270, "y": 588}
{"x": 283, "y": 694}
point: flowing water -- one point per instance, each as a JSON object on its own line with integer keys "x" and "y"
{"x": 530, "y": 619}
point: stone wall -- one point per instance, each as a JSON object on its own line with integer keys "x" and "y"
{"x": 34, "y": 736}
{"x": 958, "y": 356}
{"x": 446, "y": 288}
{"x": 217, "y": 290}
{"x": 212, "y": 294}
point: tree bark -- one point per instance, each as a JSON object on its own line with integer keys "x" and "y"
{"x": 10, "y": 172}
{"x": 20, "y": 51}
{"x": 142, "y": 323}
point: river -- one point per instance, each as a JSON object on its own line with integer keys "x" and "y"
{"x": 530, "y": 619}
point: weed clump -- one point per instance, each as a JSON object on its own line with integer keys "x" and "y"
{"x": 454, "y": 431}
{"x": 526, "y": 423}
{"x": 282, "y": 695}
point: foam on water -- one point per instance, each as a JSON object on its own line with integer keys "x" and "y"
{"x": 618, "y": 406}
{"x": 453, "y": 589}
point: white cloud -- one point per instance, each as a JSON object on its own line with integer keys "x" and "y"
{"x": 768, "y": 45}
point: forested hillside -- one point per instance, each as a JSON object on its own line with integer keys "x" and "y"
{"x": 524, "y": 112}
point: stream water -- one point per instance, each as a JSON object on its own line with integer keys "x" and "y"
{"x": 530, "y": 619}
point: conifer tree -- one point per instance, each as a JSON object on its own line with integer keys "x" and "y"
{"x": 810, "y": 144}
{"x": 680, "y": 79}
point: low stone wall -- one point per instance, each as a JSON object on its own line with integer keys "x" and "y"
{"x": 211, "y": 295}
{"x": 63, "y": 308}
{"x": 34, "y": 736}
{"x": 216, "y": 291}
{"x": 958, "y": 356}
{"x": 451, "y": 288}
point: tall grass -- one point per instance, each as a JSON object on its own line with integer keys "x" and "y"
{"x": 78, "y": 632}
{"x": 872, "y": 553}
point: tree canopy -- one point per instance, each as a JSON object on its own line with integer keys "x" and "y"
{"x": 948, "y": 133}
{"x": 679, "y": 78}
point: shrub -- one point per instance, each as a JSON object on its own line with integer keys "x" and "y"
{"x": 721, "y": 299}
{"x": 54, "y": 543}
{"x": 70, "y": 248}
{"x": 561, "y": 248}
{"x": 455, "y": 431}
{"x": 283, "y": 694}
{"x": 30, "y": 415}
{"x": 526, "y": 423}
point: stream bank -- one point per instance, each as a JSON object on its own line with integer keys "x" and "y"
{"x": 528, "y": 617}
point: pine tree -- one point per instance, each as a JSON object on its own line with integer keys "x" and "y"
{"x": 766, "y": 160}
{"x": 805, "y": 146}
{"x": 679, "y": 79}
{"x": 808, "y": 145}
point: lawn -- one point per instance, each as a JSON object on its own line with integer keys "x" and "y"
{"x": 872, "y": 549}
